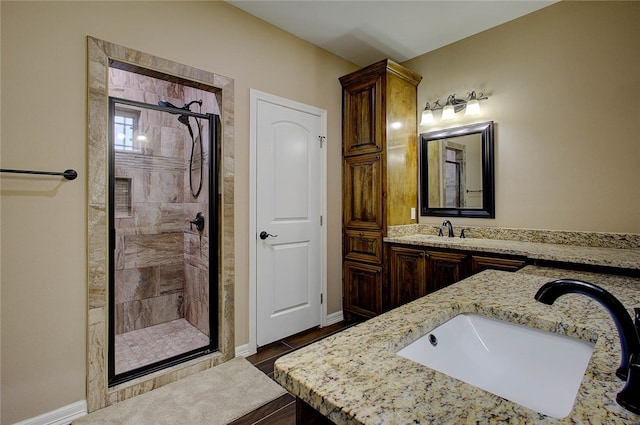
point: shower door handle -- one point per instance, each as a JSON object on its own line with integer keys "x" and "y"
{"x": 264, "y": 235}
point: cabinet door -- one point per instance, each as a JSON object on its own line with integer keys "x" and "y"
{"x": 362, "y": 192}
{"x": 444, "y": 269}
{"x": 362, "y": 124}
{"x": 362, "y": 289}
{"x": 407, "y": 275}
{"x": 480, "y": 263}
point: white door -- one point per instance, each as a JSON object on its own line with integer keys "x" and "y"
{"x": 288, "y": 220}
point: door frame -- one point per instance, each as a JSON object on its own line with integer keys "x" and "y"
{"x": 255, "y": 97}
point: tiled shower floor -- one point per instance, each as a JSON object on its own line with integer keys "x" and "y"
{"x": 145, "y": 346}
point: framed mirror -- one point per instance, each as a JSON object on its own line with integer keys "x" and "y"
{"x": 457, "y": 172}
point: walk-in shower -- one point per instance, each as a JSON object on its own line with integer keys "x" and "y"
{"x": 163, "y": 224}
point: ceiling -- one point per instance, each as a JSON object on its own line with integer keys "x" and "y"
{"x": 364, "y": 31}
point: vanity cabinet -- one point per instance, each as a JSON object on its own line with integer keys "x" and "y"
{"x": 418, "y": 271}
{"x": 379, "y": 177}
{"x": 415, "y": 272}
{"x": 446, "y": 268}
{"x": 409, "y": 266}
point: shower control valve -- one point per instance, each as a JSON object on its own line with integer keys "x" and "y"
{"x": 198, "y": 221}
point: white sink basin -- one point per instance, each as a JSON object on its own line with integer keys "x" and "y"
{"x": 537, "y": 369}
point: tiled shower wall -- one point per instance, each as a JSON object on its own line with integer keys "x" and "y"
{"x": 161, "y": 264}
{"x": 196, "y": 245}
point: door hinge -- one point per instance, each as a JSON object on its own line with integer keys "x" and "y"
{"x": 321, "y": 298}
{"x": 320, "y": 220}
{"x": 321, "y": 139}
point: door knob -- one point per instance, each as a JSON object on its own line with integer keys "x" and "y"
{"x": 264, "y": 235}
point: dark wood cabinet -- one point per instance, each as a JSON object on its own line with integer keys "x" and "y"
{"x": 379, "y": 176}
{"x": 446, "y": 268}
{"x": 363, "y": 124}
{"x": 416, "y": 271}
{"x": 480, "y": 263}
{"x": 409, "y": 266}
{"x": 362, "y": 209}
{"x": 361, "y": 245}
{"x": 307, "y": 415}
{"x": 362, "y": 289}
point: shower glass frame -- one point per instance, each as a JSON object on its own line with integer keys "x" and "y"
{"x": 213, "y": 121}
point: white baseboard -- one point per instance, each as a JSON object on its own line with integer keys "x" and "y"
{"x": 62, "y": 416}
{"x": 334, "y": 318}
{"x": 243, "y": 350}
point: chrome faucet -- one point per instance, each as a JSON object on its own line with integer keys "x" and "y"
{"x": 449, "y": 226}
{"x": 629, "y": 370}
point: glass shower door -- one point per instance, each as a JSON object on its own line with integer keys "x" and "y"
{"x": 163, "y": 243}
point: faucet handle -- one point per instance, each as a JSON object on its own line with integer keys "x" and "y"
{"x": 629, "y": 396}
{"x": 440, "y": 231}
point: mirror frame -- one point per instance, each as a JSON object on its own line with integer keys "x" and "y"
{"x": 485, "y": 129}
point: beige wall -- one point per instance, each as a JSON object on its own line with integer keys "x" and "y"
{"x": 43, "y": 315}
{"x": 563, "y": 85}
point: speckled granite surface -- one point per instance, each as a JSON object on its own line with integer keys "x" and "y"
{"x": 594, "y": 256}
{"x": 558, "y": 237}
{"x": 355, "y": 377}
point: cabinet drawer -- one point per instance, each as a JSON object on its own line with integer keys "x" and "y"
{"x": 363, "y": 246}
{"x": 480, "y": 263}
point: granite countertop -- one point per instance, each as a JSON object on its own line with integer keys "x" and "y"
{"x": 355, "y": 377}
{"x": 595, "y": 256}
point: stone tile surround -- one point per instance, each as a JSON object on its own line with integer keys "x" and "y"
{"x": 560, "y": 237}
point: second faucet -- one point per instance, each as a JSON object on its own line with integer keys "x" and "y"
{"x": 449, "y": 226}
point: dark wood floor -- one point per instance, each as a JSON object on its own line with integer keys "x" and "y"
{"x": 282, "y": 411}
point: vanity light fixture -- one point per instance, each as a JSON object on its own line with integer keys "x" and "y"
{"x": 471, "y": 105}
{"x": 427, "y": 114}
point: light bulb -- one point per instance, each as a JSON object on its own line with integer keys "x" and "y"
{"x": 473, "y": 108}
{"x": 427, "y": 117}
{"x": 448, "y": 112}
